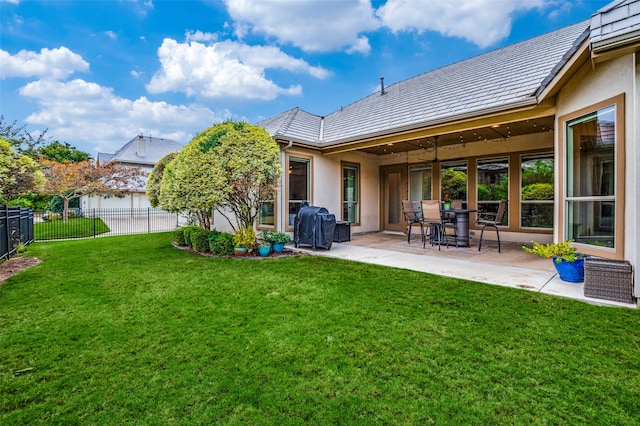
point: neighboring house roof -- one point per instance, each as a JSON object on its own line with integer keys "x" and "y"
{"x": 495, "y": 81}
{"x": 142, "y": 151}
{"x": 615, "y": 24}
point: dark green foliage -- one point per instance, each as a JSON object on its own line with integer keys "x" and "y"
{"x": 538, "y": 191}
{"x": 62, "y": 151}
{"x": 178, "y": 236}
{"x": 540, "y": 171}
{"x": 484, "y": 193}
{"x": 200, "y": 240}
{"x": 187, "y": 233}
{"x": 454, "y": 184}
{"x": 57, "y": 204}
{"x": 222, "y": 245}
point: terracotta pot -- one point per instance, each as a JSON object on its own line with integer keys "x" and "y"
{"x": 240, "y": 251}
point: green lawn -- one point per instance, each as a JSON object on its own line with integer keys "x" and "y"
{"x": 123, "y": 330}
{"x": 79, "y": 227}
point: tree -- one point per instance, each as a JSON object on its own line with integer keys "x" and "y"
{"x": 24, "y": 142}
{"x": 19, "y": 174}
{"x": 69, "y": 180}
{"x": 61, "y": 151}
{"x": 230, "y": 167}
{"x": 155, "y": 179}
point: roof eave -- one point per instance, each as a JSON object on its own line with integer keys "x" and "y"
{"x": 564, "y": 72}
{"x": 524, "y": 103}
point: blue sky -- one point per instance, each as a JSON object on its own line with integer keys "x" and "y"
{"x": 98, "y": 73}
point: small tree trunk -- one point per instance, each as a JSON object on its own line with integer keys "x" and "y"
{"x": 65, "y": 209}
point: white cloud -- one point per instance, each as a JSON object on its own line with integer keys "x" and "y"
{"x": 135, "y": 74}
{"x": 225, "y": 70}
{"x": 312, "y": 25}
{"x": 55, "y": 63}
{"x": 87, "y": 114}
{"x": 111, "y": 35}
{"x": 481, "y": 22}
{"x": 200, "y": 36}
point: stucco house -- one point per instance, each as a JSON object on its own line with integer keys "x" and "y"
{"x": 552, "y": 124}
{"x": 141, "y": 151}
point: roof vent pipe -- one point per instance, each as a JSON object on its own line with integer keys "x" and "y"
{"x": 382, "y": 92}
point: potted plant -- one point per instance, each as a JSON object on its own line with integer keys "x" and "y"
{"x": 447, "y": 203}
{"x": 244, "y": 240}
{"x": 264, "y": 249}
{"x": 277, "y": 240}
{"x": 568, "y": 262}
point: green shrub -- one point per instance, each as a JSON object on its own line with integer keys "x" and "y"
{"x": 275, "y": 237}
{"x": 538, "y": 191}
{"x": 484, "y": 193}
{"x": 222, "y": 245}
{"x": 49, "y": 217}
{"x": 245, "y": 237}
{"x": 212, "y": 238}
{"x": 187, "y": 233}
{"x": 200, "y": 240}
{"x": 178, "y": 236}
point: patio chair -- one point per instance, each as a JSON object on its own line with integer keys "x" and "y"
{"x": 412, "y": 215}
{"x": 491, "y": 220}
{"x": 432, "y": 216}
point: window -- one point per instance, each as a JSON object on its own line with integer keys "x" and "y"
{"x": 537, "y": 191}
{"x": 420, "y": 182}
{"x": 350, "y": 192}
{"x": 267, "y": 217}
{"x": 453, "y": 180}
{"x": 493, "y": 185}
{"x": 299, "y": 185}
{"x": 591, "y": 178}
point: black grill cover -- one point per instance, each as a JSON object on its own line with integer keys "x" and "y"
{"x": 314, "y": 226}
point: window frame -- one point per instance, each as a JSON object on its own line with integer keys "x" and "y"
{"x": 300, "y": 158}
{"x": 617, "y": 252}
{"x": 530, "y": 156}
{"x": 355, "y": 166}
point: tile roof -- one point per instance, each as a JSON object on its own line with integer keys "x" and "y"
{"x": 499, "y": 79}
{"x": 615, "y": 24}
{"x": 149, "y": 153}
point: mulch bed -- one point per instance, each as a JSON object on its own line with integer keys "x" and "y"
{"x": 254, "y": 255}
{"x": 14, "y": 265}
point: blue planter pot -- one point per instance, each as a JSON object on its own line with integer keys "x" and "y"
{"x": 264, "y": 251}
{"x": 572, "y": 272}
{"x": 278, "y": 247}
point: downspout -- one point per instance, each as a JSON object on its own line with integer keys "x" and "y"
{"x": 635, "y": 106}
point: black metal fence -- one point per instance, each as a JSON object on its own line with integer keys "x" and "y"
{"x": 91, "y": 223}
{"x": 16, "y": 228}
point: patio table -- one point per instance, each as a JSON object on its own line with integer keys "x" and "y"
{"x": 462, "y": 225}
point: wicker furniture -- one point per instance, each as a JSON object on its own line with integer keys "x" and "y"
{"x": 608, "y": 279}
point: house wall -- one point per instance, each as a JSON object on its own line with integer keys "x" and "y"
{"x": 136, "y": 200}
{"x": 595, "y": 83}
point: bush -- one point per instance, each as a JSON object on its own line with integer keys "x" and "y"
{"x": 245, "y": 237}
{"x": 538, "y": 191}
{"x": 182, "y": 237}
{"x": 200, "y": 240}
{"x": 187, "y": 233}
{"x": 222, "y": 244}
{"x": 178, "y": 236}
{"x": 275, "y": 237}
{"x": 49, "y": 217}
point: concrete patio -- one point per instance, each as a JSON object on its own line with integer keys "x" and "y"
{"x": 511, "y": 268}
